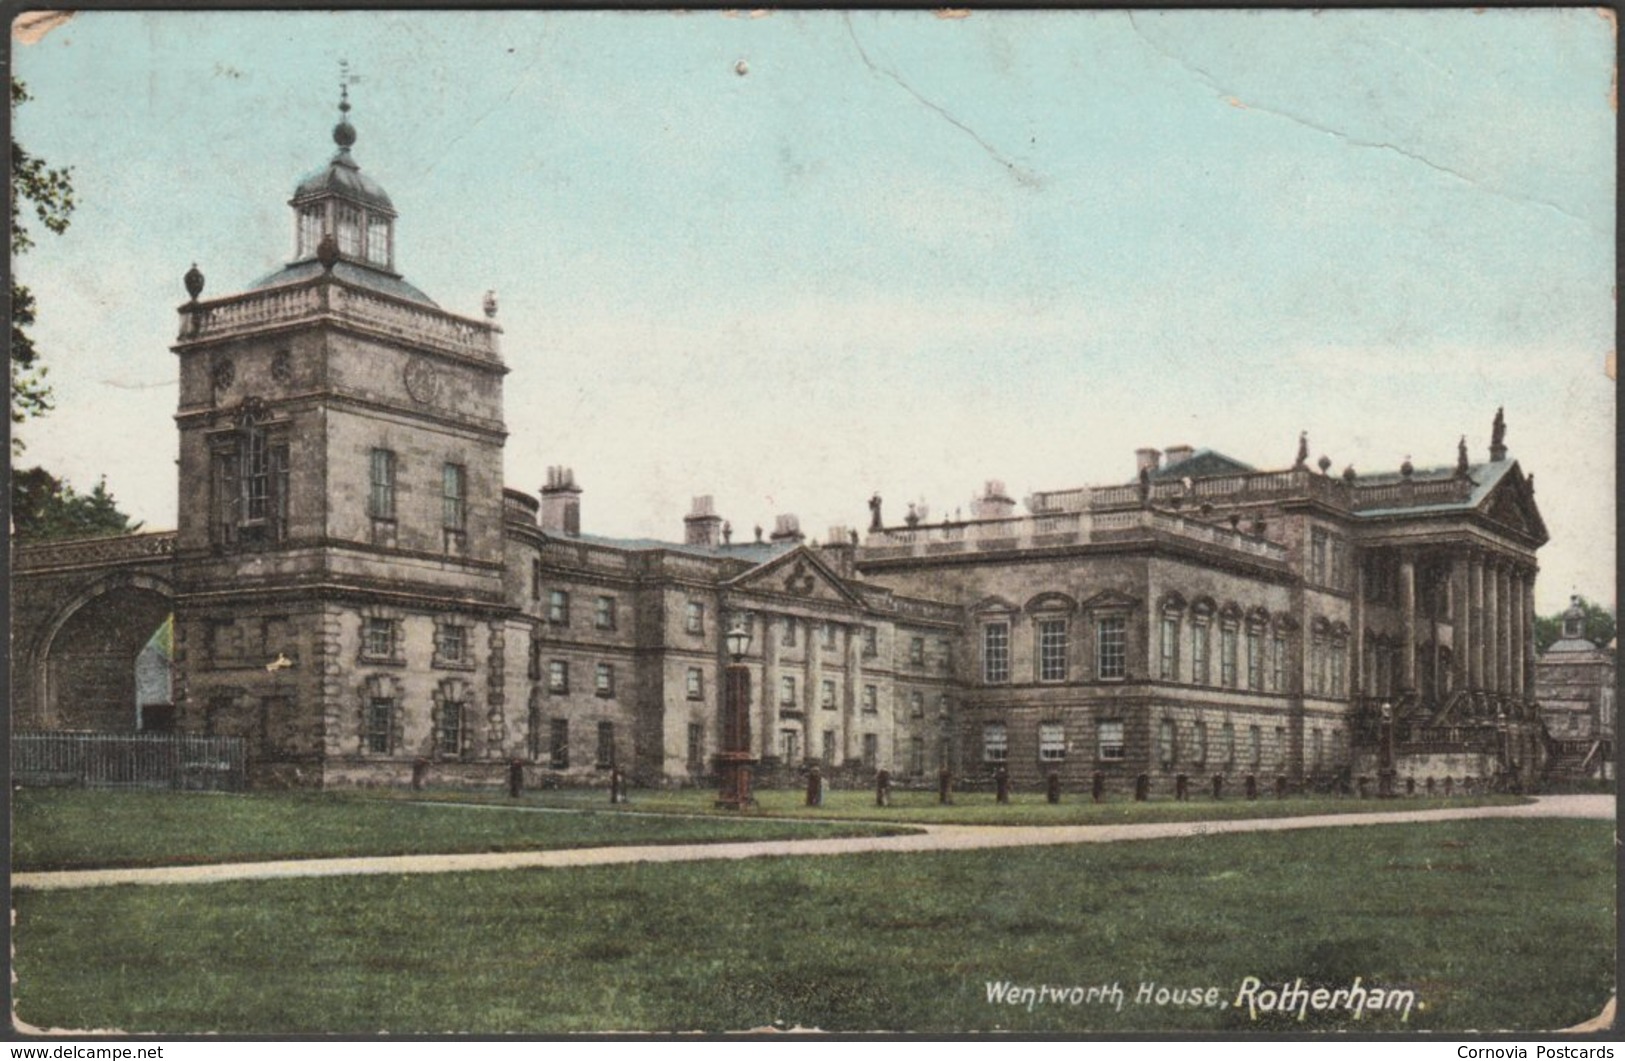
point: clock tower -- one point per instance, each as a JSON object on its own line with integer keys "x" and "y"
{"x": 339, "y": 595}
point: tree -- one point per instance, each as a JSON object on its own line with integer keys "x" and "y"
{"x": 44, "y": 507}
{"x": 50, "y": 194}
{"x": 1598, "y": 629}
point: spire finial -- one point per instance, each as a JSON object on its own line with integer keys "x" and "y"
{"x": 344, "y": 132}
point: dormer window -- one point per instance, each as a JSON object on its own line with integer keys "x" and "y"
{"x": 349, "y": 230}
{"x": 378, "y": 241}
{"x": 310, "y": 230}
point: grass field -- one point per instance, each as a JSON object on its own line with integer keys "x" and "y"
{"x": 76, "y": 829}
{"x": 1493, "y": 924}
{"x": 968, "y": 808}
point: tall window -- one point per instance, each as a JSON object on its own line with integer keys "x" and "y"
{"x": 916, "y": 704}
{"x": 1199, "y": 743}
{"x": 790, "y": 745}
{"x": 1339, "y": 656}
{"x": 1227, "y": 657}
{"x": 916, "y": 755}
{"x": 871, "y": 749}
{"x": 1052, "y": 650}
{"x": 450, "y": 644}
{"x": 558, "y": 676}
{"x": 454, "y": 497}
{"x": 996, "y": 652}
{"x": 694, "y": 618}
{"x": 380, "y": 723}
{"x": 381, "y": 500}
{"x": 1317, "y": 665}
{"x": 827, "y": 631}
{"x": 449, "y": 728}
{"x": 696, "y": 749}
{"x": 558, "y": 606}
{"x": 1168, "y": 668}
{"x": 871, "y": 699}
{"x": 1111, "y": 740}
{"x": 1199, "y": 668}
{"x": 604, "y": 613}
{"x": 869, "y": 639}
{"x": 1255, "y": 660}
{"x": 829, "y": 747}
{"x": 378, "y": 638}
{"x": 1278, "y": 664}
{"x": 1227, "y": 734}
{"x": 1255, "y": 746}
{"x": 1317, "y": 751}
{"x": 558, "y": 744}
{"x": 1317, "y": 556}
{"x": 606, "y": 744}
{"x": 826, "y": 694}
{"x": 787, "y": 691}
{"x": 378, "y": 240}
{"x": 916, "y": 651}
{"x": 696, "y": 683}
{"x": 995, "y": 743}
{"x": 603, "y": 681}
{"x": 310, "y": 230}
{"x": 1165, "y": 742}
{"x": 349, "y": 234}
{"x": 1111, "y": 645}
{"x": 1051, "y": 742}
{"x": 250, "y": 485}
{"x": 788, "y": 639}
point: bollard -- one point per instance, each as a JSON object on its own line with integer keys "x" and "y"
{"x": 1365, "y": 783}
{"x": 945, "y": 786}
{"x": 1001, "y": 781}
{"x": 1410, "y": 786}
{"x": 1430, "y": 786}
{"x": 815, "y": 787}
{"x": 1097, "y": 787}
{"x": 1449, "y": 786}
{"x": 1280, "y": 786}
{"x": 883, "y": 788}
{"x": 1252, "y": 786}
{"x": 1182, "y": 787}
{"x": 1142, "y": 788}
{"x": 1218, "y": 786}
{"x": 420, "y": 773}
{"x": 516, "y": 778}
{"x": 1053, "y": 787}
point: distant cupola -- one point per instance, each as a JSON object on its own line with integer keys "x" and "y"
{"x": 340, "y": 200}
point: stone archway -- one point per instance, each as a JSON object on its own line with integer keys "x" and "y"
{"x": 86, "y": 660}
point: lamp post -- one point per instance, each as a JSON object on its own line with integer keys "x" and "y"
{"x": 735, "y": 759}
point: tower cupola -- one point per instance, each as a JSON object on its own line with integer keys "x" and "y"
{"x": 341, "y": 201}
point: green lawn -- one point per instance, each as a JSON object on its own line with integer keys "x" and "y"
{"x": 1493, "y": 924}
{"x": 74, "y": 828}
{"x": 968, "y": 808}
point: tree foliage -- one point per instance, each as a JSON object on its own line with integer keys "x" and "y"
{"x": 48, "y": 194}
{"x": 44, "y": 507}
{"x": 1599, "y": 626}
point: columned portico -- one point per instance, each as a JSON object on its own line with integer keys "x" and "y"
{"x": 1407, "y": 621}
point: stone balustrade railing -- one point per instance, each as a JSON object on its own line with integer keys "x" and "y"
{"x": 84, "y": 552}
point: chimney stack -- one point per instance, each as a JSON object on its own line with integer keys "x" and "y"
{"x": 786, "y": 528}
{"x": 1145, "y": 460}
{"x": 1176, "y": 455}
{"x": 994, "y": 503}
{"x": 702, "y": 525}
{"x": 561, "y": 502}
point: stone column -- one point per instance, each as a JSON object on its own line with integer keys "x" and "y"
{"x": 1515, "y": 632}
{"x": 1528, "y": 691}
{"x": 849, "y": 695}
{"x": 1475, "y": 621}
{"x": 1436, "y": 658}
{"x": 1492, "y": 625}
{"x": 1461, "y": 638}
{"x": 1407, "y": 622}
{"x": 1357, "y": 621}
{"x": 812, "y": 717}
{"x": 768, "y": 695}
{"x": 1503, "y": 627}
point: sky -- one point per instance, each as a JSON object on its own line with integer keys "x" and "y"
{"x": 793, "y": 259}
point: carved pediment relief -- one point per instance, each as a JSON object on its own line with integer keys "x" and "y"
{"x": 798, "y": 573}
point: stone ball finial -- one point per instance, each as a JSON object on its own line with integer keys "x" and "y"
{"x": 1407, "y": 468}
{"x": 491, "y": 304}
{"x": 193, "y": 281}
{"x": 1325, "y": 462}
{"x": 344, "y": 135}
{"x": 1348, "y": 474}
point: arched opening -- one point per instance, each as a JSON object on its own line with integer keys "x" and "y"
{"x": 105, "y": 666}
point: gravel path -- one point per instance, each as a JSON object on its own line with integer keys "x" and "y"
{"x": 931, "y": 838}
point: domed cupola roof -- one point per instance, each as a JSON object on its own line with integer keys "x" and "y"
{"x": 341, "y": 176}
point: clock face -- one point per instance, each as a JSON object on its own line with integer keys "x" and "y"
{"x": 422, "y": 380}
{"x": 224, "y": 373}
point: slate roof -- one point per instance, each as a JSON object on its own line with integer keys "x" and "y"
{"x": 750, "y": 552}
{"x": 351, "y": 273}
{"x": 1202, "y": 463}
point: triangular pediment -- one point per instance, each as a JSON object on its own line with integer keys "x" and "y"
{"x": 798, "y": 573}
{"x": 1511, "y": 504}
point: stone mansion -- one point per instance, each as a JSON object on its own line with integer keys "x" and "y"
{"x": 358, "y": 596}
